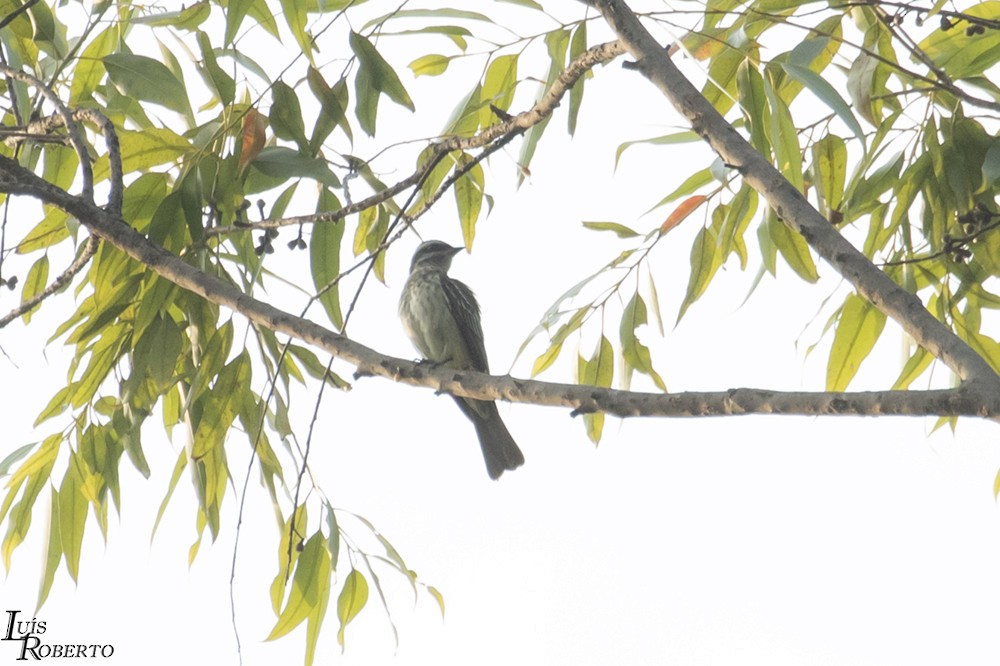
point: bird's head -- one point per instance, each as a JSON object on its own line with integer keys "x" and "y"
{"x": 434, "y": 253}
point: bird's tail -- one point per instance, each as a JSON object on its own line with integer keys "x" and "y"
{"x": 500, "y": 451}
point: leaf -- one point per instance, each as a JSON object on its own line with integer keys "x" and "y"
{"x": 223, "y": 84}
{"x": 352, "y": 599}
{"x": 440, "y": 599}
{"x": 252, "y": 137}
{"x": 681, "y": 213}
{"x": 286, "y": 116}
{"x": 793, "y": 248}
{"x": 332, "y": 104}
{"x": 72, "y": 519}
{"x": 35, "y": 283}
{"x": 619, "y": 230}
{"x": 828, "y": 95}
{"x": 312, "y": 574}
{"x": 374, "y": 76}
{"x": 53, "y": 550}
{"x": 636, "y": 354}
{"x": 913, "y": 368}
{"x": 688, "y": 136}
{"x": 324, "y": 256}
{"x": 14, "y": 456}
{"x": 830, "y": 167}
{"x": 236, "y": 11}
{"x": 858, "y": 328}
{"x": 860, "y": 87}
{"x": 705, "y": 261}
{"x": 783, "y": 134}
{"x": 188, "y": 18}
{"x": 144, "y": 149}
{"x": 431, "y": 64}
{"x": 597, "y": 371}
{"x": 694, "y": 182}
{"x": 148, "y": 80}
{"x": 90, "y": 69}
{"x": 282, "y": 163}
{"x": 498, "y": 87}
{"x": 577, "y": 45}
{"x": 469, "y": 197}
{"x": 296, "y": 17}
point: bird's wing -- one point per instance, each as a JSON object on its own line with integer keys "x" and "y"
{"x": 463, "y": 306}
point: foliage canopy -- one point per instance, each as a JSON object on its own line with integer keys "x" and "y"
{"x": 882, "y": 114}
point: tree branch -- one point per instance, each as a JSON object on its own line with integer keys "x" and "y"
{"x": 968, "y": 400}
{"x": 517, "y": 124}
{"x": 89, "y": 250}
{"x": 790, "y": 204}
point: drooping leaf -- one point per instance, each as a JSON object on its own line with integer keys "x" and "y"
{"x": 858, "y": 328}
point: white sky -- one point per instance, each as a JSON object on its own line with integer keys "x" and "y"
{"x": 762, "y": 540}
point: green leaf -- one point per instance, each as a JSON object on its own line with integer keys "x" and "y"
{"x": 793, "y": 248}
{"x": 687, "y": 136}
{"x": 597, "y": 371}
{"x": 324, "y": 255}
{"x": 14, "y": 456}
{"x": 35, "y": 283}
{"x": 830, "y": 167}
{"x": 619, "y": 230}
{"x": 374, "y": 76}
{"x": 53, "y": 550}
{"x": 282, "y": 163}
{"x": 913, "y": 368}
{"x": 440, "y": 599}
{"x": 236, "y": 11}
{"x": 498, "y": 87}
{"x": 705, "y": 261}
{"x": 215, "y": 76}
{"x": 141, "y": 150}
{"x": 784, "y": 135}
{"x": 861, "y": 81}
{"x": 636, "y": 354}
{"x": 828, "y": 95}
{"x": 187, "y": 18}
{"x": 577, "y": 45}
{"x": 858, "y": 328}
{"x": 90, "y": 69}
{"x": 72, "y": 518}
{"x": 148, "y": 80}
{"x": 332, "y": 101}
{"x": 431, "y": 64}
{"x": 753, "y": 102}
{"x": 222, "y": 405}
{"x": 296, "y": 17}
{"x": 286, "y": 116}
{"x": 312, "y": 575}
{"x": 179, "y": 467}
{"x": 352, "y": 599}
{"x": 469, "y": 197}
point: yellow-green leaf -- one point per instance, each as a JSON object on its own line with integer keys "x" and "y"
{"x": 352, "y": 599}
{"x": 35, "y": 283}
{"x": 431, "y": 64}
{"x": 858, "y": 328}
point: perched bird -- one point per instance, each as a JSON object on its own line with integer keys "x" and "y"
{"x": 441, "y": 317}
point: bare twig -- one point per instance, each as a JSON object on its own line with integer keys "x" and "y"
{"x": 89, "y": 250}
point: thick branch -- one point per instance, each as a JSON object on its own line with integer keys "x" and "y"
{"x": 968, "y": 400}
{"x": 898, "y": 304}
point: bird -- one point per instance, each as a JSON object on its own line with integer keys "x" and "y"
{"x": 441, "y": 317}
